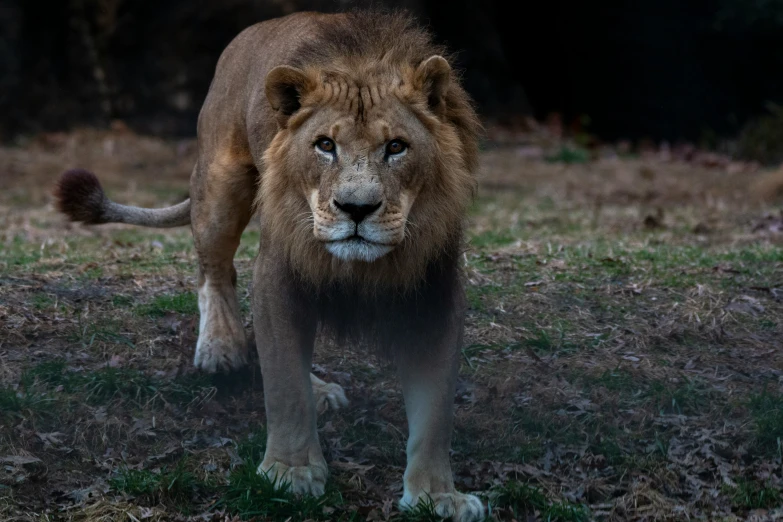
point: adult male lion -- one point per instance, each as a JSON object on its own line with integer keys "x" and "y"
{"x": 355, "y": 144}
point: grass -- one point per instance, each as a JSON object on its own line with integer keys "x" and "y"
{"x": 177, "y": 486}
{"x": 108, "y": 384}
{"x": 16, "y": 404}
{"x": 122, "y": 300}
{"x": 492, "y": 238}
{"x": 42, "y": 301}
{"x": 105, "y": 385}
{"x": 605, "y": 362}
{"x": 249, "y": 494}
{"x": 424, "y": 511}
{"x": 108, "y": 331}
{"x": 385, "y": 444}
{"x": 184, "y": 303}
{"x": 687, "y": 398}
{"x": 616, "y": 380}
{"x": 569, "y": 154}
{"x": 684, "y": 396}
{"x": 523, "y": 499}
{"x": 767, "y": 411}
{"x": 748, "y": 495}
{"x": 244, "y": 494}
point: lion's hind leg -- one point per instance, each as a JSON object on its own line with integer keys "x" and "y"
{"x": 222, "y": 196}
{"x": 328, "y": 395}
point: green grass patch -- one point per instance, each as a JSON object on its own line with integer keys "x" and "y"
{"x": 41, "y": 301}
{"x": 388, "y": 445}
{"x": 687, "y": 398}
{"x": 184, "y": 303}
{"x": 424, "y": 511}
{"x": 560, "y": 340}
{"x": 91, "y": 274}
{"x": 108, "y": 332}
{"x": 176, "y": 486}
{"x": 570, "y": 155}
{"x": 50, "y": 374}
{"x": 609, "y": 448}
{"x": 617, "y": 380}
{"x": 767, "y": 411}
{"x": 523, "y": 499}
{"x": 250, "y": 495}
{"x": 187, "y": 389}
{"x": 248, "y": 246}
{"x": 122, "y": 300}
{"x": 129, "y": 385}
{"x": 545, "y": 426}
{"x": 15, "y": 403}
{"x": 109, "y": 384}
{"x": 748, "y": 495}
{"x": 19, "y": 253}
{"x": 492, "y": 238}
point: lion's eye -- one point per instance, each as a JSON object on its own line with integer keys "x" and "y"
{"x": 395, "y": 147}
{"x": 325, "y": 144}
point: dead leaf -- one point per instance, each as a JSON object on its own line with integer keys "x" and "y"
{"x": 15, "y": 469}
{"x": 770, "y": 223}
{"x": 51, "y": 439}
{"x": 745, "y": 304}
{"x": 725, "y": 269}
{"x": 20, "y": 460}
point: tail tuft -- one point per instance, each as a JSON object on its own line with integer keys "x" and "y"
{"x": 79, "y": 196}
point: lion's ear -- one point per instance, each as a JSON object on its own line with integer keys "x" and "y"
{"x": 432, "y": 77}
{"x": 285, "y": 87}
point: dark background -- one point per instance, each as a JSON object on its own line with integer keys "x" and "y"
{"x": 660, "y": 69}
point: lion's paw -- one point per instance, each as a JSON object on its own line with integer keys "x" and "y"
{"x": 328, "y": 395}
{"x": 222, "y": 345}
{"x": 304, "y": 480}
{"x": 216, "y": 355}
{"x": 458, "y": 507}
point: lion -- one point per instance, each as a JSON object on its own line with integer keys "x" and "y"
{"x": 351, "y": 138}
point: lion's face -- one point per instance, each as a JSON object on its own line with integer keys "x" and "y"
{"x": 369, "y": 174}
{"x": 361, "y": 177}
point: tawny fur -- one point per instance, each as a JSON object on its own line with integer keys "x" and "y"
{"x": 275, "y": 85}
{"x": 373, "y": 56}
{"x": 79, "y": 195}
{"x": 768, "y": 187}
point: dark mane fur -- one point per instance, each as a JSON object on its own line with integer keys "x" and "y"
{"x": 388, "y": 322}
{"x": 392, "y": 38}
{"x": 379, "y": 35}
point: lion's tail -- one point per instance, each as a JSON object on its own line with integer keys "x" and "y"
{"x": 79, "y": 196}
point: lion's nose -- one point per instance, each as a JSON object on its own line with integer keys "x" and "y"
{"x": 357, "y": 212}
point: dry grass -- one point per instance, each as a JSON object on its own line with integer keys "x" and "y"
{"x": 623, "y": 356}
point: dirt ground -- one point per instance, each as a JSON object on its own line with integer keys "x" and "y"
{"x": 623, "y": 357}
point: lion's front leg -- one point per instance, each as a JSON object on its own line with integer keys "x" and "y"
{"x": 428, "y": 381}
{"x": 285, "y": 327}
